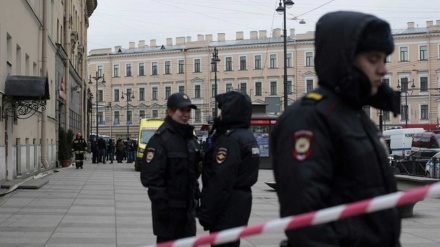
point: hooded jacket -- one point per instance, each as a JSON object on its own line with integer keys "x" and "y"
{"x": 230, "y": 166}
{"x": 327, "y": 152}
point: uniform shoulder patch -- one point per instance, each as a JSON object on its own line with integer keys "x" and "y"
{"x": 315, "y": 96}
{"x": 303, "y": 141}
{"x": 221, "y": 155}
{"x": 150, "y": 154}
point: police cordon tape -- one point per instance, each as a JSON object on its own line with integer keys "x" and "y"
{"x": 311, "y": 218}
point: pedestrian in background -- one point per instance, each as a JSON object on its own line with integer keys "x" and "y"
{"x": 326, "y": 150}
{"x": 79, "y": 147}
{"x": 120, "y": 149}
{"x": 95, "y": 151}
{"x": 102, "y": 146}
{"x": 110, "y": 151}
{"x": 230, "y": 167}
{"x": 170, "y": 171}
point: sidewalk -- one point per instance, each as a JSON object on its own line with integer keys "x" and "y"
{"x": 106, "y": 205}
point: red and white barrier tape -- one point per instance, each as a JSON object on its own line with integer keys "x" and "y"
{"x": 312, "y": 218}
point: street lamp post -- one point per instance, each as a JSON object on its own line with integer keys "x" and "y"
{"x": 129, "y": 97}
{"x": 97, "y": 77}
{"x": 406, "y": 97}
{"x": 214, "y": 62}
{"x": 282, "y": 10}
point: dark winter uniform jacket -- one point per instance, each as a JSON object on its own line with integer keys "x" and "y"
{"x": 230, "y": 166}
{"x": 327, "y": 151}
{"x": 170, "y": 170}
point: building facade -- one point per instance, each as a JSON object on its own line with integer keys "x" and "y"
{"x": 45, "y": 39}
{"x": 148, "y": 74}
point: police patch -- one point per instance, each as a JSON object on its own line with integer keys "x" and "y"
{"x": 150, "y": 155}
{"x": 221, "y": 155}
{"x": 302, "y": 144}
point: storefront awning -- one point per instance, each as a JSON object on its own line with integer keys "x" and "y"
{"x": 27, "y": 87}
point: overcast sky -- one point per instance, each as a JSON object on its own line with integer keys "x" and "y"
{"x": 117, "y": 22}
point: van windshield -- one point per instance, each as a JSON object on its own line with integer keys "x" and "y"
{"x": 146, "y": 135}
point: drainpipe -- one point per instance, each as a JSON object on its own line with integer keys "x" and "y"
{"x": 67, "y": 64}
{"x": 44, "y": 160}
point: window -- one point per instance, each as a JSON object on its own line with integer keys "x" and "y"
{"x": 154, "y": 68}
{"x": 155, "y": 113}
{"x": 243, "y": 88}
{"x": 423, "y": 52}
{"x": 167, "y": 67}
{"x": 258, "y": 88}
{"x": 404, "y": 112}
{"x": 386, "y": 81}
{"x": 386, "y": 116}
{"x": 198, "y": 115}
{"x": 309, "y": 59}
{"x": 273, "y": 61}
{"x": 129, "y": 117}
{"x": 142, "y": 93}
{"x": 116, "y": 118}
{"x": 403, "y": 54}
{"x": 128, "y": 69}
{"x": 100, "y": 70}
{"x": 9, "y": 48}
{"x": 213, "y": 65}
{"x": 101, "y": 118}
{"x": 167, "y": 92}
{"x": 424, "y": 83}
{"x": 100, "y": 95}
{"x": 242, "y": 62}
{"x": 388, "y": 59}
{"x": 197, "y": 91}
{"x": 181, "y": 89}
{"x": 154, "y": 93}
{"x": 141, "y": 114}
{"x": 116, "y": 95}
{"x": 273, "y": 88}
{"x": 129, "y": 94}
{"x": 257, "y": 62}
{"x": 229, "y": 87}
{"x": 212, "y": 90}
{"x": 181, "y": 66}
{"x": 289, "y": 61}
{"x": 309, "y": 85}
{"x": 404, "y": 84}
{"x": 289, "y": 87}
{"x": 116, "y": 70}
{"x": 366, "y": 109}
{"x": 424, "y": 112}
{"x": 141, "y": 69}
{"x": 228, "y": 63}
{"x": 197, "y": 65}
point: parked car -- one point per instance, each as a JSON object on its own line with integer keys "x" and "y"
{"x": 413, "y": 164}
{"x": 429, "y": 168}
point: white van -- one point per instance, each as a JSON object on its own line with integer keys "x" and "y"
{"x": 399, "y": 140}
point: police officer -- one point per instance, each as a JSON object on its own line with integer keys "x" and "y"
{"x": 326, "y": 150}
{"x": 230, "y": 166}
{"x": 170, "y": 171}
{"x": 79, "y": 147}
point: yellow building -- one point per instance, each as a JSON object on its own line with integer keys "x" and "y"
{"x": 149, "y": 73}
{"x": 40, "y": 39}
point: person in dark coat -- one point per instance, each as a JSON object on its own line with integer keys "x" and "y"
{"x": 120, "y": 149}
{"x": 326, "y": 150}
{"x": 95, "y": 151}
{"x": 230, "y": 167}
{"x": 169, "y": 170}
{"x": 102, "y": 146}
{"x": 79, "y": 148}
{"x": 111, "y": 150}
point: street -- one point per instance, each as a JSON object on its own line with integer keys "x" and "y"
{"x": 106, "y": 205}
